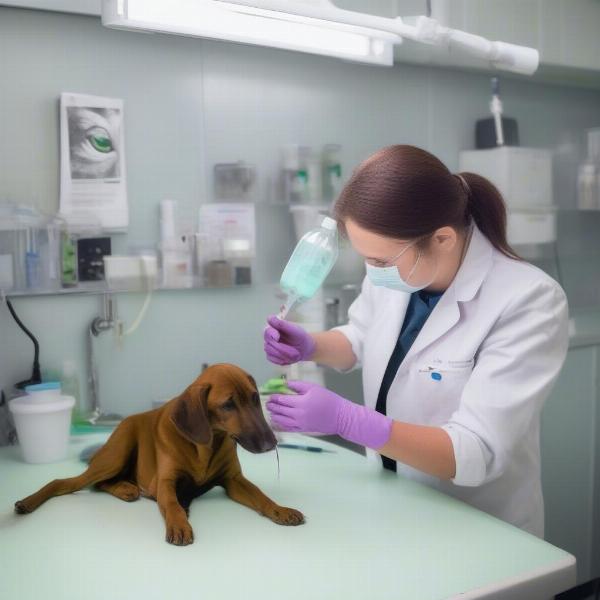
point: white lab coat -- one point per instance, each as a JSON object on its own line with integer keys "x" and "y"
{"x": 498, "y": 337}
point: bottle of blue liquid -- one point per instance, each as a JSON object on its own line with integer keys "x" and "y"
{"x": 310, "y": 263}
{"x": 32, "y": 261}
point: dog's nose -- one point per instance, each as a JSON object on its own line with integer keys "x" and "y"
{"x": 269, "y": 440}
{"x": 268, "y": 445}
{"x": 264, "y": 443}
{"x": 258, "y": 442}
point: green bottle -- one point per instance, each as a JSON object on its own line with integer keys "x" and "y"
{"x": 68, "y": 260}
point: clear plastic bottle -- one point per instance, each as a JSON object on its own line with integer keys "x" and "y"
{"x": 315, "y": 179}
{"x": 588, "y": 176}
{"x": 310, "y": 263}
{"x": 332, "y": 171}
{"x": 69, "y": 382}
{"x": 588, "y": 186}
{"x": 32, "y": 260}
{"x": 295, "y": 173}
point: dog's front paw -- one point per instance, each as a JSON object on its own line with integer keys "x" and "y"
{"x": 180, "y": 534}
{"x": 21, "y": 508}
{"x": 285, "y": 516}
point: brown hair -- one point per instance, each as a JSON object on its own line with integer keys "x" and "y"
{"x": 405, "y": 192}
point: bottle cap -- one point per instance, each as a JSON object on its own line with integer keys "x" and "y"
{"x": 43, "y": 387}
{"x": 329, "y": 223}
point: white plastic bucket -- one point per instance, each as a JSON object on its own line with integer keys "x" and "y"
{"x": 43, "y": 422}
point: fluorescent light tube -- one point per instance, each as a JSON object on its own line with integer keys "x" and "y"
{"x": 222, "y": 21}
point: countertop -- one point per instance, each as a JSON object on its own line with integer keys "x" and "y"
{"x": 368, "y": 534}
{"x": 584, "y": 328}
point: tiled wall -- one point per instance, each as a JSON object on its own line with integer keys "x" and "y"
{"x": 190, "y": 104}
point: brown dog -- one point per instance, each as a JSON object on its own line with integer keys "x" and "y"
{"x": 179, "y": 451}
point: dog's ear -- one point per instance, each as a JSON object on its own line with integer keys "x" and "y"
{"x": 190, "y": 414}
{"x": 252, "y": 381}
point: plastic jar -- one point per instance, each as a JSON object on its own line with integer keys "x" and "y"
{"x": 43, "y": 420}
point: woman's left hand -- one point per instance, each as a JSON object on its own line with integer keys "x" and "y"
{"x": 314, "y": 408}
{"x": 319, "y": 410}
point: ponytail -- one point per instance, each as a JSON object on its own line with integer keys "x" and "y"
{"x": 487, "y": 208}
{"x": 404, "y": 192}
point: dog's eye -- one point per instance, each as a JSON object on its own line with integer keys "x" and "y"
{"x": 229, "y": 405}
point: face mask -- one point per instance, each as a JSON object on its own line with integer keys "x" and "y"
{"x": 390, "y": 278}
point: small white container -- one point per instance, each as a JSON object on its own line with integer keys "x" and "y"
{"x": 532, "y": 226}
{"x": 239, "y": 253}
{"x": 176, "y": 263}
{"x": 522, "y": 175}
{"x": 43, "y": 421}
{"x": 131, "y": 272}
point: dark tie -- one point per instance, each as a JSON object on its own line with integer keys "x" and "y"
{"x": 419, "y": 308}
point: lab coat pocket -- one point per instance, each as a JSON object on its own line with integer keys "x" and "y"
{"x": 441, "y": 384}
{"x": 437, "y": 370}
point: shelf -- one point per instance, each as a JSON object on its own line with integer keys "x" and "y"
{"x": 94, "y": 288}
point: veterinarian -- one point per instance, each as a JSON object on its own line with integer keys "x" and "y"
{"x": 459, "y": 340}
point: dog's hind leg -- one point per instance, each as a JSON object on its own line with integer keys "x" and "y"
{"x": 124, "y": 490}
{"x": 107, "y": 463}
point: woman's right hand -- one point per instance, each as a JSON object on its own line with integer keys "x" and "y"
{"x": 287, "y": 343}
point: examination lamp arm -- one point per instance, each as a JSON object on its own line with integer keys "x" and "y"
{"x": 509, "y": 57}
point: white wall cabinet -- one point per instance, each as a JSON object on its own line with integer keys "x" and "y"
{"x": 580, "y": 39}
{"x": 570, "y": 461}
{"x": 565, "y": 31}
{"x": 381, "y": 8}
{"x": 514, "y": 21}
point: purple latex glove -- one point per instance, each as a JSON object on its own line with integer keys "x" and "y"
{"x": 320, "y": 410}
{"x": 287, "y": 343}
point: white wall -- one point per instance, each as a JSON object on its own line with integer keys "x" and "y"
{"x": 190, "y": 104}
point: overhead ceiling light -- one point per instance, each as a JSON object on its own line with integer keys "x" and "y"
{"x": 223, "y": 21}
{"x": 315, "y": 26}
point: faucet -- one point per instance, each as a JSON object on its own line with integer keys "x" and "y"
{"x": 105, "y": 322}
{"x": 108, "y": 320}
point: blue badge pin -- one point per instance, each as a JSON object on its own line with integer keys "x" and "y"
{"x": 436, "y": 376}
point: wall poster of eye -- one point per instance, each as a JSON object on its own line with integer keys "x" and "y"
{"x": 93, "y": 190}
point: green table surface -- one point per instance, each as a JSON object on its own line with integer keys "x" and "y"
{"x": 368, "y": 535}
